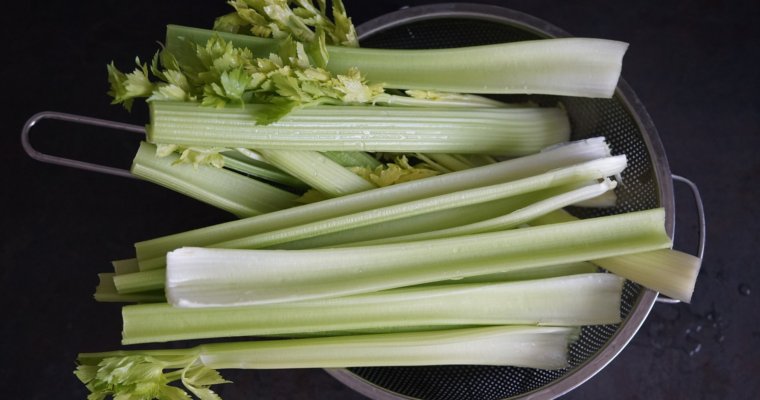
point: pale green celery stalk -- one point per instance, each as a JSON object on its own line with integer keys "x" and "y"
{"x": 138, "y": 282}
{"x": 125, "y": 266}
{"x": 454, "y": 100}
{"x": 148, "y": 280}
{"x": 203, "y": 277}
{"x": 606, "y": 200}
{"x": 582, "y": 67}
{"x": 509, "y": 220}
{"x": 671, "y": 272}
{"x": 432, "y": 221}
{"x": 317, "y": 171}
{"x": 523, "y": 346}
{"x": 587, "y": 299}
{"x": 106, "y": 292}
{"x": 668, "y": 271}
{"x": 129, "y": 373}
{"x": 595, "y": 169}
{"x": 238, "y": 161}
{"x": 549, "y": 271}
{"x": 509, "y": 132}
{"x": 449, "y": 161}
{"x": 221, "y": 188}
{"x": 151, "y": 253}
{"x": 353, "y": 159}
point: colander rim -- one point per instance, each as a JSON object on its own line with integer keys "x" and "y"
{"x": 641, "y": 309}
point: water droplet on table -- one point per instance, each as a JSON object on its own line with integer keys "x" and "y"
{"x": 744, "y": 289}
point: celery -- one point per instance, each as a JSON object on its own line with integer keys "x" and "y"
{"x": 582, "y": 67}
{"x": 668, "y": 271}
{"x": 197, "y": 277}
{"x": 125, "y": 266}
{"x": 506, "y": 132}
{"x": 549, "y": 271}
{"x": 221, "y": 188}
{"x": 510, "y": 220}
{"x": 318, "y": 171}
{"x": 239, "y": 160}
{"x": 353, "y": 159}
{"x": 106, "y": 292}
{"x": 139, "y": 281}
{"x": 596, "y": 169}
{"x": 429, "y": 225}
{"x": 585, "y": 299}
{"x": 135, "y": 373}
{"x": 151, "y": 253}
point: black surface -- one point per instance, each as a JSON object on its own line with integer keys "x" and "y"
{"x": 693, "y": 64}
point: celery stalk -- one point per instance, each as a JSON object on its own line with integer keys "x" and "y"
{"x": 585, "y": 299}
{"x": 510, "y": 220}
{"x": 125, "y": 266}
{"x": 221, "y": 188}
{"x": 569, "y": 66}
{"x": 126, "y": 373}
{"x": 596, "y": 169}
{"x": 151, "y": 253}
{"x": 106, "y": 292}
{"x": 239, "y": 160}
{"x": 198, "y": 277}
{"x": 508, "y": 132}
{"x": 668, "y": 271}
{"x": 318, "y": 171}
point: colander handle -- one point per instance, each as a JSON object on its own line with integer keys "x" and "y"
{"x": 68, "y": 162}
{"x": 701, "y": 223}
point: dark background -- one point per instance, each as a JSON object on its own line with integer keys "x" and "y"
{"x": 692, "y": 63}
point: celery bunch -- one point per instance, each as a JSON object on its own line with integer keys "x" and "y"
{"x": 434, "y": 233}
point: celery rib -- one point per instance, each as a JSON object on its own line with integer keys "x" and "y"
{"x": 584, "y": 299}
{"x": 318, "y": 171}
{"x": 582, "y": 67}
{"x": 221, "y": 188}
{"x": 197, "y": 277}
{"x": 151, "y": 253}
{"x": 509, "y": 132}
{"x": 524, "y": 346}
{"x": 668, "y": 271}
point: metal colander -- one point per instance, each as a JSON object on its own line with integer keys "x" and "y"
{"x": 648, "y": 184}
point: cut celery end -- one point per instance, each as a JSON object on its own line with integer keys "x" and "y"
{"x": 668, "y": 271}
{"x": 137, "y": 282}
{"x": 200, "y": 277}
{"x": 509, "y": 132}
{"x": 587, "y": 299}
{"x": 151, "y": 253}
{"x": 125, "y": 266}
{"x": 220, "y": 188}
{"x": 106, "y": 292}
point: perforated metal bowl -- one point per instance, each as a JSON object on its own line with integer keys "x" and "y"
{"x": 629, "y": 130}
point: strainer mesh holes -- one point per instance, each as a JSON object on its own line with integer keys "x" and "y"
{"x": 589, "y": 117}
